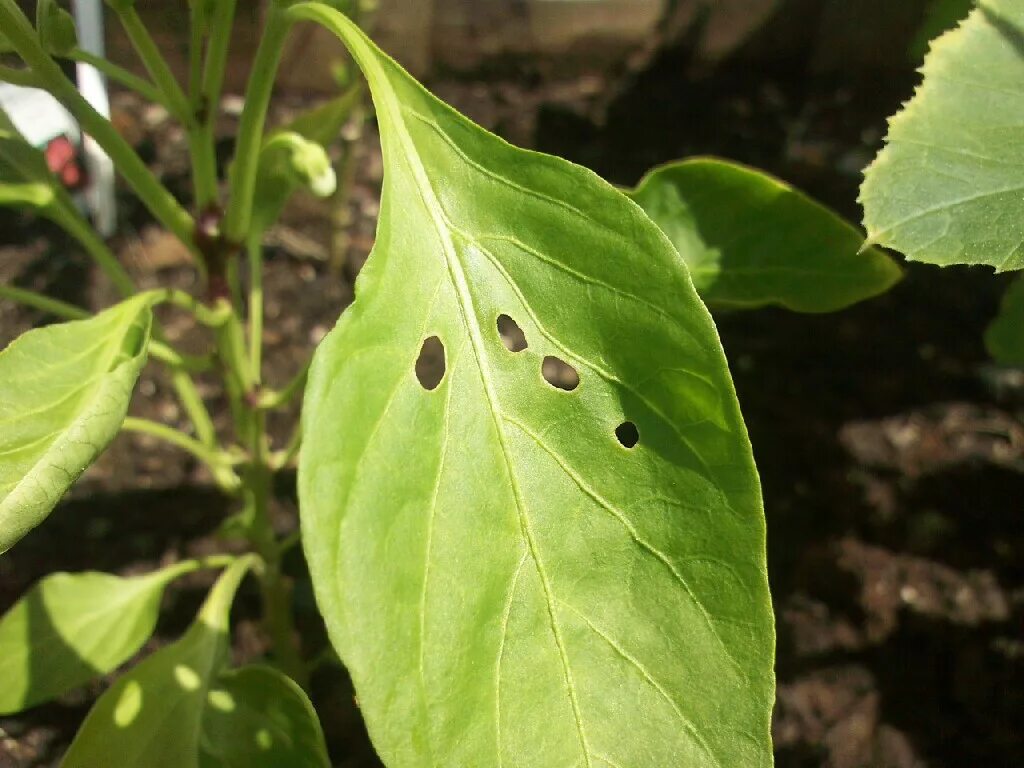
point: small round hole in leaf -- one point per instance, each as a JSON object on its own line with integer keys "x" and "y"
{"x": 560, "y": 374}
{"x": 511, "y": 334}
{"x": 430, "y": 364}
{"x": 627, "y": 434}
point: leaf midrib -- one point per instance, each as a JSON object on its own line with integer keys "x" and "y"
{"x": 459, "y": 283}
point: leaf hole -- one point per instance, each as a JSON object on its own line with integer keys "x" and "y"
{"x": 627, "y": 434}
{"x": 559, "y": 374}
{"x": 511, "y": 334}
{"x": 430, "y": 365}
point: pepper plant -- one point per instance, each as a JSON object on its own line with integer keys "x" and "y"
{"x": 516, "y": 568}
{"x": 946, "y": 189}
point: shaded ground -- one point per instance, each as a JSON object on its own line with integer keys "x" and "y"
{"x": 890, "y": 451}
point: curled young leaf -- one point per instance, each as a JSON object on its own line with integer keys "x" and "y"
{"x": 550, "y": 554}
{"x": 257, "y": 717}
{"x": 64, "y": 392}
{"x": 1004, "y": 338}
{"x": 72, "y": 627}
{"x": 947, "y": 187}
{"x": 56, "y": 28}
{"x": 289, "y": 161}
{"x": 152, "y": 716}
{"x": 749, "y": 239}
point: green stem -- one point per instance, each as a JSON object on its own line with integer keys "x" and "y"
{"x": 45, "y": 303}
{"x": 255, "y": 251}
{"x": 219, "y": 464}
{"x": 213, "y": 317}
{"x": 286, "y": 455}
{"x": 250, "y": 129}
{"x": 155, "y": 63}
{"x": 271, "y": 399}
{"x": 193, "y": 404}
{"x": 214, "y": 67}
{"x": 157, "y": 199}
{"x": 64, "y": 213}
{"x": 121, "y": 75}
{"x": 23, "y": 77}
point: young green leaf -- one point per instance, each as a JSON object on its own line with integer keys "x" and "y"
{"x": 152, "y": 716}
{"x": 256, "y": 717}
{"x": 1004, "y": 338}
{"x": 750, "y": 239}
{"x": 948, "y": 187}
{"x": 64, "y": 391}
{"x": 71, "y": 627}
{"x": 516, "y": 574}
{"x": 289, "y": 161}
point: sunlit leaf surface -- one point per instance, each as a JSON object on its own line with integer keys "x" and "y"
{"x": 64, "y": 391}
{"x": 949, "y": 186}
{"x": 750, "y": 239}
{"x": 545, "y": 557}
{"x": 71, "y": 627}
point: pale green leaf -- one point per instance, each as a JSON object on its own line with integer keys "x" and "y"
{"x": 750, "y": 239}
{"x": 948, "y": 188}
{"x": 1004, "y": 338}
{"x": 256, "y": 717}
{"x": 64, "y": 391}
{"x": 940, "y": 15}
{"x": 152, "y": 716}
{"x": 506, "y": 582}
{"x": 71, "y": 627}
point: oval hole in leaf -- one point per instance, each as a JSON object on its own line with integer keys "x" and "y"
{"x": 430, "y": 363}
{"x": 511, "y": 334}
{"x": 627, "y": 434}
{"x": 560, "y": 374}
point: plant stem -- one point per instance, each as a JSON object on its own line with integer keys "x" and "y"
{"x": 270, "y": 399}
{"x": 250, "y": 129}
{"x": 255, "y": 251}
{"x": 157, "y": 199}
{"x": 45, "y": 303}
{"x": 23, "y": 77}
{"x": 155, "y": 63}
{"x": 64, "y": 213}
{"x": 218, "y": 463}
{"x": 121, "y": 75}
{"x": 193, "y": 404}
{"x": 212, "y": 83}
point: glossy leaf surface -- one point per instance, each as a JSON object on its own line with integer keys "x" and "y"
{"x": 949, "y": 186}
{"x": 1004, "y": 338}
{"x": 71, "y": 627}
{"x": 506, "y": 582}
{"x": 152, "y": 716}
{"x": 750, "y": 239}
{"x": 256, "y": 717}
{"x": 64, "y": 391}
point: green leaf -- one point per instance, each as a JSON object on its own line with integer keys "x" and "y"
{"x": 287, "y": 162}
{"x": 152, "y": 716}
{"x": 1004, "y": 338}
{"x": 324, "y": 122}
{"x": 506, "y": 582}
{"x": 948, "y": 188}
{"x": 750, "y": 239}
{"x": 257, "y": 717}
{"x": 71, "y": 627}
{"x": 64, "y": 391}
{"x": 940, "y": 16}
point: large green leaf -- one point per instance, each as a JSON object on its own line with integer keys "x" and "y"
{"x": 257, "y": 717}
{"x": 948, "y": 188}
{"x": 506, "y": 582}
{"x": 71, "y": 627}
{"x": 750, "y": 239}
{"x": 1005, "y": 336}
{"x": 152, "y": 716}
{"x": 64, "y": 391}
